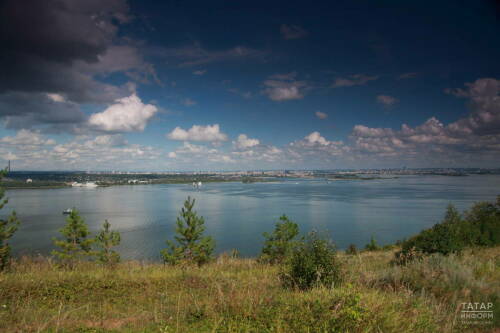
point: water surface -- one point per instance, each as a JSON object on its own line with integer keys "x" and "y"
{"x": 236, "y": 214}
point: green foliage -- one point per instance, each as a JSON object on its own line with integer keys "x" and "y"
{"x": 483, "y": 227}
{"x": 281, "y": 242}
{"x": 75, "y": 245}
{"x": 7, "y": 228}
{"x": 313, "y": 262}
{"x": 192, "y": 246}
{"x": 372, "y": 246}
{"x": 480, "y": 226}
{"x": 352, "y": 249}
{"x": 106, "y": 240}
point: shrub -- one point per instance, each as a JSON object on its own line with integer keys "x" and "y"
{"x": 192, "y": 246}
{"x": 479, "y": 227}
{"x": 372, "y": 246}
{"x": 7, "y": 229}
{"x": 483, "y": 227}
{"x": 312, "y": 262}
{"x": 75, "y": 244}
{"x": 106, "y": 240}
{"x": 351, "y": 249}
{"x": 280, "y": 243}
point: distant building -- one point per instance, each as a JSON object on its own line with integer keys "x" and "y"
{"x": 29, "y": 180}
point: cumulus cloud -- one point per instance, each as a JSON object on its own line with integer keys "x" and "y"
{"x": 284, "y": 87}
{"x": 292, "y": 31}
{"x": 26, "y": 138}
{"x": 190, "y": 153}
{"x": 34, "y": 150}
{"x": 26, "y": 110}
{"x": 474, "y": 136}
{"x": 387, "y": 100}
{"x": 126, "y": 115}
{"x": 244, "y": 142}
{"x": 321, "y": 115}
{"x": 353, "y": 80}
{"x": 62, "y": 57}
{"x": 210, "y": 133}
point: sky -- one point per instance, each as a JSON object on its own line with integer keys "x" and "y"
{"x": 248, "y": 85}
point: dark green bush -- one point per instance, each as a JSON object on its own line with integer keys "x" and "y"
{"x": 312, "y": 262}
{"x": 480, "y": 226}
{"x": 372, "y": 246}
{"x": 351, "y": 249}
{"x": 281, "y": 242}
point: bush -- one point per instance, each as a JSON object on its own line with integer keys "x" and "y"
{"x": 193, "y": 247}
{"x": 312, "y": 262}
{"x": 352, "y": 249}
{"x": 480, "y": 226}
{"x": 281, "y": 242}
{"x": 372, "y": 246}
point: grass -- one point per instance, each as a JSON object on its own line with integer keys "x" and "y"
{"x": 241, "y": 295}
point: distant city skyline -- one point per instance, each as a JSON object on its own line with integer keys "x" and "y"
{"x": 158, "y": 86}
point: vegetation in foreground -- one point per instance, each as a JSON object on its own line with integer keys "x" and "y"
{"x": 244, "y": 295}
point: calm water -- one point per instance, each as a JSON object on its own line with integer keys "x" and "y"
{"x": 237, "y": 214}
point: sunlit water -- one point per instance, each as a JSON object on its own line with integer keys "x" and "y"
{"x": 236, "y": 214}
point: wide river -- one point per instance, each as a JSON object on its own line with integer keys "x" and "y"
{"x": 236, "y": 214}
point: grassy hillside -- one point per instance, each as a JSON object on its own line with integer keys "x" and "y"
{"x": 241, "y": 295}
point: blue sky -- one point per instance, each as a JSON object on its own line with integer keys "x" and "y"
{"x": 150, "y": 85}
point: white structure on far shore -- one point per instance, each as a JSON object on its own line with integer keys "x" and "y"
{"x": 29, "y": 180}
{"x": 87, "y": 184}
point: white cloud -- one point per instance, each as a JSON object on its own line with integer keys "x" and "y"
{"x": 56, "y": 98}
{"x": 126, "y": 115}
{"x": 321, "y": 115}
{"x": 315, "y": 137}
{"x": 292, "y": 31}
{"x": 386, "y": 100}
{"x": 209, "y": 133}
{"x": 284, "y": 87}
{"x": 244, "y": 142}
{"x": 26, "y": 138}
{"x": 353, "y": 80}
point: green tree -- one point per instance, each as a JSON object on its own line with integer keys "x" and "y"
{"x": 278, "y": 245}
{"x": 7, "y": 228}
{"x": 191, "y": 246}
{"x": 483, "y": 224}
{"x": 75, "y": 245}
{"x": 311, "y": 263}
{"x": 372, "y": 246}
{"x": 105, "y": 241}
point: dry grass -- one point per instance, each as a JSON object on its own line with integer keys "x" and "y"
{"x": 240, "y": 295}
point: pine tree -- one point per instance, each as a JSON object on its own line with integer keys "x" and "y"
{"x": 105, "y": 240}
{"x": 192, "y": 246}
{"x": 7, "y": 228}
{"x": 372, "y": 246}
{"x": 75, "y": 244}
{"x": 281, "y": 242}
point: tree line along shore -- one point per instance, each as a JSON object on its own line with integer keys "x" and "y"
{"x": 298, "y": 283}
